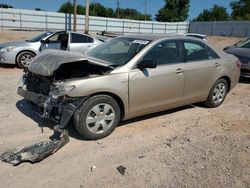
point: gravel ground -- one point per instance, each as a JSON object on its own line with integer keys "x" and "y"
{"x": 191, "y": 146}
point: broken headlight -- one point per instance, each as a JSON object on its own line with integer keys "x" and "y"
{"x": 61, "y": 90}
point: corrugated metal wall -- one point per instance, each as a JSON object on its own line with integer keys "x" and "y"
{"x": 41, "y": 20}
{"x": 222, "y": 28}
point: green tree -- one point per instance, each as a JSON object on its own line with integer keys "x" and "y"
{"x": 97, "y": 9}
{"x": 174, "y": 11}
{"x": 129, "y": 13}
{"x": 241, "y": 10}
{"x": 67, "y": 8}
{"x": 5, "y": 6}
{"x": 217, "y": 13}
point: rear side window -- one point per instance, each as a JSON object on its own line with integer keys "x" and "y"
{"x": 166, "y": 52}
{"x": 78, "y": 38}
{"x": 196, "y": 51}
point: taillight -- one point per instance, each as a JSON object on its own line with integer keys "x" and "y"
{"x": 238, "y": 63}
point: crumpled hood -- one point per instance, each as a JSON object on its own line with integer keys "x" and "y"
{"x": 48, "y": 61}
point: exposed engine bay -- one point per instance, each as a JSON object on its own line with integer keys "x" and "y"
{"x": 42, "y": 83}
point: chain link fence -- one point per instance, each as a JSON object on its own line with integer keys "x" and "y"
{"x": 43, "y": 20}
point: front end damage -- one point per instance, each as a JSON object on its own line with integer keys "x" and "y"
{"x": 48, "y": 105}
{"x": 44, "y": 84}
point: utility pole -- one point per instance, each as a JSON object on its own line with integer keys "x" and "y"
{"x": 118, "y": 8}
{"x": 145, "y": 10}
{"x": 75, "y": 12}
{"x": 87, "y": 16}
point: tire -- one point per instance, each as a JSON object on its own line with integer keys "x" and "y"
{"x": 97, "y": 117}
{"x": 217, "y": 93}
{"x": 23, "y": 59}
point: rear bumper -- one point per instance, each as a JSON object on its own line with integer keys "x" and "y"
{"x": 245, "y": 69}
{"x": 245, "y": 73}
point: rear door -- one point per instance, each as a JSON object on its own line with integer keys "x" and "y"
{"x": 202, "y": 66}
{"x": 152, "y": 90}
{"x": 80, "y": 43}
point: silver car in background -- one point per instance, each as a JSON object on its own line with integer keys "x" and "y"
{"x": 70, "y": 41}
{"x": 21, "y": 52}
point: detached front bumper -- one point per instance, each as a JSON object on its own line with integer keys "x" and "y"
{"x": 60, "y": 110}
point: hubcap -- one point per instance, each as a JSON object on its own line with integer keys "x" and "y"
{"x": 100, "y": 118}
{"x": 219, "y": 93}
{"x": 26, "y": 59}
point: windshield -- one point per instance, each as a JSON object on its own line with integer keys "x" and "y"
{"x": 118, "y": 51}
{"x": 39, "y": 37}
{"x": 244, "y": 44}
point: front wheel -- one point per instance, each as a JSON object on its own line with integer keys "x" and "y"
{"x": 97, "y": 117}
{"x": 217, "y": 94}
{"x": 24, "y": 58}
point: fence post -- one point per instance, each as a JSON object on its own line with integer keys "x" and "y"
{"x": 2, "y": 17}
{"x": 165, "y": 28}
{"x": 139, "y": 30}
{"x": 177, "y": 27}
{"x": 123, "y": 25}
{"x": 20, "y": 19}
{"x": 46, "y": 21}
{"x": 214, "y": 24}
{"x": 106, "y": 24}
{"x": 66, "y": 22}
{"x": 152, "y": 27}
{"x": 70, "y": 22}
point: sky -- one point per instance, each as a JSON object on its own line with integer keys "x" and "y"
{"x": 196, "y": 6}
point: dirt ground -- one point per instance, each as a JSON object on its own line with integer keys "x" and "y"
{"x": 192, "y": 146}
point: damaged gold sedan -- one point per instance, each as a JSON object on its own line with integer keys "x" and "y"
{"x": 127, "y": 77}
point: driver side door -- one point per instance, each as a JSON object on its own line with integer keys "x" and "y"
{"x": 160, "y": 88}
{"x": 53, "y": 42}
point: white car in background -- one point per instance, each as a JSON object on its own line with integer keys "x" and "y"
{"x": 196, "y": 35}
{"x": 70, "y": 41}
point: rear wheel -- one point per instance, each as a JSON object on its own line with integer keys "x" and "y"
{"x": 217, "y": 94}
{"x": 97, "y": 117}
{"x": 24, "y": 59}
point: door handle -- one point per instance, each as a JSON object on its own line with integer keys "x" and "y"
{"x": 217, "y": 64}
{"x": 179, "y": 71}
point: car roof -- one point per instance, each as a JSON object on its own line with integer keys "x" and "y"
{"x": 151, "y": 37}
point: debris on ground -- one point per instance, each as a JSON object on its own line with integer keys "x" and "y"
{"x": 36, "y": 152}
{"x": 92, "y": 169}
{"x": 121, "y": 169}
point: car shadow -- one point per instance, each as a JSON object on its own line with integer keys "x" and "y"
{"x": 73, "y": 133}
{"x": 244, "y": 80}
{"x": 9, "y": 66}
{"x": 28, "y": 110}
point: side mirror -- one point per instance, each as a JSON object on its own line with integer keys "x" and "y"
{"x": 147, "y": 64}
{"x": 44, "y": 41}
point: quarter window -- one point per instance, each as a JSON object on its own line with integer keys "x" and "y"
{"x": 164, "y": 53}
{"x": 195, "y": 51}
{"x": 77, "y": 38}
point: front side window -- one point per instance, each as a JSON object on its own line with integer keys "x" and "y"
{"x": 78, "y": 38}
{"x": 166, "y": 52}
{"x": 196, "y": 51}
{"x": 58, "y": 37}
